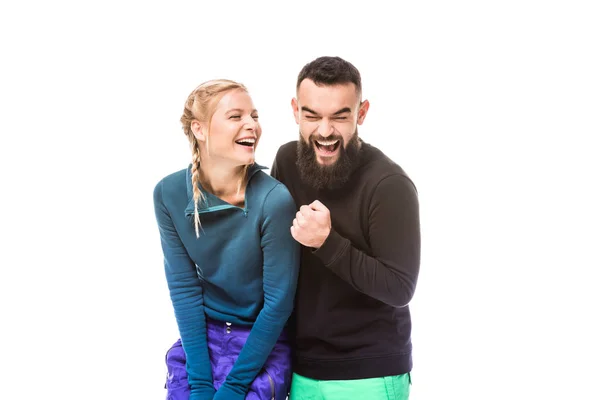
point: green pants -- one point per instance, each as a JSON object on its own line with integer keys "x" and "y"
{"x": 388, "y": 387}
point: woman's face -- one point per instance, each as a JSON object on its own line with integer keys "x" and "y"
{"x": 234, "y": 130}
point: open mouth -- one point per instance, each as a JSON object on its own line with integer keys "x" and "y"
{"x": 248, "y": 142}
{"x": 327, "y": 146}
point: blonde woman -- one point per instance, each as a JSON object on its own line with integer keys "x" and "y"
{"x": 230, "y": 261}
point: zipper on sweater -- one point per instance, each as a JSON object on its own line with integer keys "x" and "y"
{"x": 221, "y": 208}
{"x": 225, "y": 206}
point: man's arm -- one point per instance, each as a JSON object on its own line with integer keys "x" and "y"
{"x": 275, "y": 167}
{"x": 390, "y": 273}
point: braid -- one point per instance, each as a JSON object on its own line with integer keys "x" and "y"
{"x": 198, "y": 195}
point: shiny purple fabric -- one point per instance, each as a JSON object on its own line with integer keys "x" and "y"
{"x": 225, "y": 341}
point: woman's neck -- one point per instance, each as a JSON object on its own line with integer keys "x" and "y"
{"x": 223, "y": 181}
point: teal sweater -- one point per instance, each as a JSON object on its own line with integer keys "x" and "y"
{"x": 242, "y": 269}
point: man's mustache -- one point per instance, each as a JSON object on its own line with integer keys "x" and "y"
{"x": 314, "y": 137}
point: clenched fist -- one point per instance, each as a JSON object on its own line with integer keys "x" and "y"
{"x": 312, "y": 225}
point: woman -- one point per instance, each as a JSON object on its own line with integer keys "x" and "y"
{"x": 230, "y": 261}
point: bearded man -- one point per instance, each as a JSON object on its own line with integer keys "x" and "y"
{"x": 358, "y": 223}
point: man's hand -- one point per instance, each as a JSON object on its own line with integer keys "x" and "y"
{"x": 312, "y": 225}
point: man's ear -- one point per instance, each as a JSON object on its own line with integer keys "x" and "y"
{"x": 199, "y": 130}
{"x": 362, "y": 111}
{"x": 295, "y": 110}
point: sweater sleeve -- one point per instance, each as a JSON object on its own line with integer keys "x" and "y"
{"x": 187, "y": 298}
{"x": 281, "y": 259}
{"x": 275, "y": 167}
{"x": 390, "y": 272}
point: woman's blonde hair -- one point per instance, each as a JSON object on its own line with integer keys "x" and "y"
{"x": 201, "y": 105}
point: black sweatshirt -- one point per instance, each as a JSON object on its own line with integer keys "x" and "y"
{"x": 351, "y": 318}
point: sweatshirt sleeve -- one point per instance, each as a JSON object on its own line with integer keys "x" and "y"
{"x": 281, "y": 254}
{"x": 390, "y": 272}
{"x": 275, "y": 167}
{"x": 187, "y": 298}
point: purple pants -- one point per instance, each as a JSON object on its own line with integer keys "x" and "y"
{"x": 225, "y": 342}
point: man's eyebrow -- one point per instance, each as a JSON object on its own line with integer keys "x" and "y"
{"x": 342, "y": 111}
{"x": 304, "y": 108}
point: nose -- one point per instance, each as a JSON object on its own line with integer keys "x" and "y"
{"x": 325, "y": 128}
{"x": 251, "y": 124}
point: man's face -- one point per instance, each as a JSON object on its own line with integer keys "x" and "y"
{"x": 328, "y": 116}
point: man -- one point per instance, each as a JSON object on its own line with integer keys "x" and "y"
{"x": 359, "y": 226}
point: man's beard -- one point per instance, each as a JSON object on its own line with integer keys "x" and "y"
{"x": 331, "y": 176}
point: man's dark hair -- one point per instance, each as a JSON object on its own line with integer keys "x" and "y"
{"x": 330, "y": 71}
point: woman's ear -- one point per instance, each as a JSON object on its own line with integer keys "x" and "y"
{"x": 199, "y": 130}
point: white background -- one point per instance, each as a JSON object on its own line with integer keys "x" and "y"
{"x": 491, "y": 108}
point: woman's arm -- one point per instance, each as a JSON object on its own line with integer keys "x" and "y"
{"x": 186, "y": 294}
{"x": 281, "y": 254}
